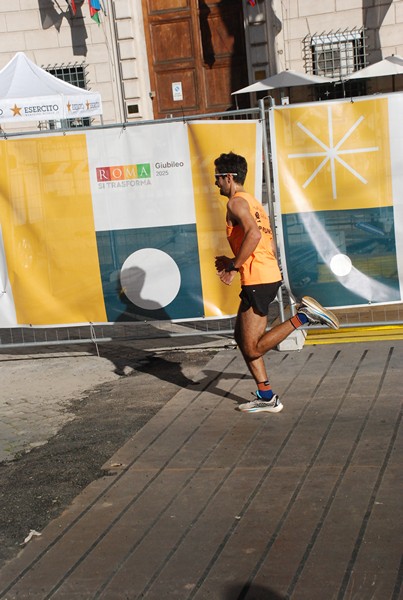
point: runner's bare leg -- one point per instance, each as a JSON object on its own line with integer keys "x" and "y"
{"x": 254, "y": 341}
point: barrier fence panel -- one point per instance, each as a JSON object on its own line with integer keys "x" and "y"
{"x": 110, "y": 232}
{"x": 337, "y": 168}
{"x": 117, "y": 224}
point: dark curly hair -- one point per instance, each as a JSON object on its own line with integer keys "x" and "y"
{"x": 232, "y": 163}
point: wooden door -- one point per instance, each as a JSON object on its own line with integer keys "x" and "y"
{"x": 196, "y": 54}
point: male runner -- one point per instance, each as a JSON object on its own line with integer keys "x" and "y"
{"x": 251, "y": 241}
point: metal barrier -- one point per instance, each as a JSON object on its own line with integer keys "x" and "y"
{"x": 24, "y": 337}
{"x": 31, "y": 336}
{"x": 28, "y": 336}
{"x": 248, "y": 113}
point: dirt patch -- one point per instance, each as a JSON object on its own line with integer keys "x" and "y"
{"x": 36, "y": 486}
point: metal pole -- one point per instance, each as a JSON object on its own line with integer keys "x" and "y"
{"x": 266, "y": 165}
{"x": 267, "y": 175}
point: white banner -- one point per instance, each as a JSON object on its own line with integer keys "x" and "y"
{"x": 141, "y": 177}
{"x": 49, "y": 108}
{"x": 7, "y": 309}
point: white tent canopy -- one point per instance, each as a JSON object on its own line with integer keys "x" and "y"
{"x": 391, "y": 65}
{"x": 284, "y": 79}
{"x": 29, "y": 93}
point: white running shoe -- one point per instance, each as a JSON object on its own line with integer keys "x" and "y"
{"x": 316, "y": 313}
{"x": 259, "y": 405}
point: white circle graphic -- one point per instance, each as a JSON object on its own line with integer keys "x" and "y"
{"x": 150, "y": 278}
{"x": 341, "y": 265}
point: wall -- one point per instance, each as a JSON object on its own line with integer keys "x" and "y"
{"x": 114, "y": 51}
{"x": 276, "y": 28}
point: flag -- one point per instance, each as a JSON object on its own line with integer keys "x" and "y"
{"x": 72, "y": 6}
{"x": 252, "y": 2}
{"x": 95, "y": 7}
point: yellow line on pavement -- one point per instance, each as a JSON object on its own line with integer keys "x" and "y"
{"x": 355, "y": 334}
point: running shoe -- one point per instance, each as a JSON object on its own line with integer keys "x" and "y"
{"x": 259, "y": 405}
{"x": 316, "y": 313}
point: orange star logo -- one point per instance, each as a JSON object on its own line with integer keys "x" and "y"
{"x": 16, "y": 110}
{"x": 68, "y": 106}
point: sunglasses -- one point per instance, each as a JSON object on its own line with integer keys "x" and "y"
{"x": 217, "y": 175}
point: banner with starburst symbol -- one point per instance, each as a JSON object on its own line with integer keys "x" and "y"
{"x": 338, "y": 185}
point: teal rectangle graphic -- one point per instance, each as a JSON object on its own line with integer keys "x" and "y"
{"x": 316, "y": 243}
{"x": 163, "y": 263}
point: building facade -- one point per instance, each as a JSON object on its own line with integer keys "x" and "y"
{"x": 147, "y": 58}
{"x": 109, "y": 57}
{"x": 160, "y": 58}
{"x": 330, "y": 37}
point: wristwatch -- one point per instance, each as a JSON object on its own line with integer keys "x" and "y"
{"x": 231, "y": 267}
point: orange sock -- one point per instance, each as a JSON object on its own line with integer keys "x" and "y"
{"x": 296, "y": 321}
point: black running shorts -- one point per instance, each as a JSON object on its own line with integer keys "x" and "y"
{"x": 259, "y": 296}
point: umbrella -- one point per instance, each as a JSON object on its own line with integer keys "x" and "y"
{"x": 391, "y": 65}
{"x": 284, "y": 79}
{"x": 258, "y": 86}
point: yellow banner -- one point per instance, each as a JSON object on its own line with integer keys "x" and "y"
{"x": 48, "y": 231}
{"x": 333, "y": 156}
{"x": 108, "y": 226}
{"x": 206, "y": 142}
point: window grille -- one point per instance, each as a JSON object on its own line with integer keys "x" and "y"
{"x": 76, "y": 75}
{"x": 335, "y": 54}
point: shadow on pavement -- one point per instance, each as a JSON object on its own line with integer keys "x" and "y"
{"x": 250, "y": 592}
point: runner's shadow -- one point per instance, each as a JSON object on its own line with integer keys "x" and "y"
{"x": 143, "y": 362}
{"x": 250, "y": 592}
{"x": 169, "y": 370}
{"x": 212, "y": 379}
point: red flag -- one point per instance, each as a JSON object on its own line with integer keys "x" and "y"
{"x": 72, "y": 6}
{"x": 252, "y": 2}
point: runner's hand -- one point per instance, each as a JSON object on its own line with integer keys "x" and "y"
{"x": 226, "y": 277}
{"x": 222, "y": 262}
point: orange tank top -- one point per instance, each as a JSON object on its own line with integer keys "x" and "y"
{"x": 262, "y": 265}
